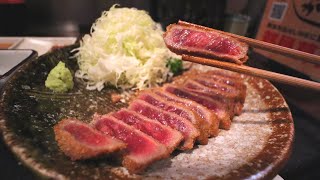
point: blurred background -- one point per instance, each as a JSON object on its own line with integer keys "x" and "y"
{"x": 75, "y": 17}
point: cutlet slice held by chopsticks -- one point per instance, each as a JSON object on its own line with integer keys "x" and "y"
{"x": 198, "y": 41}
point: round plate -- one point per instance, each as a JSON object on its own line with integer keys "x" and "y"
{"x": 256, "y": 147}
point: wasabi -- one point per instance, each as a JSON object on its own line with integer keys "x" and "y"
{"x": 59, "y": 79}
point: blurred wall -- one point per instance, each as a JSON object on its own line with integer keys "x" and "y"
{"x": 204, "y": 12}
{"x": 67, "y": 17}
{"x": 74, "y": 17}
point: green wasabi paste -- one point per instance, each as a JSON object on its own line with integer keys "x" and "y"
{"x": 59, "y": 79}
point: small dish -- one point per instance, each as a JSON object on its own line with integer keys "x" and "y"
{"x": 57, "y": 41}
{"x": 44, "y": 44}
{"x": 41, "y": 46}
{"x": 11, "y": 60}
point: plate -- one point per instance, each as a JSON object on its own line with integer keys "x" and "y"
{"x": 38, "y": 45}
{"x": 10, "y": 60}
{"x": 256, "y": 147}
{"x": 44, "y": 44}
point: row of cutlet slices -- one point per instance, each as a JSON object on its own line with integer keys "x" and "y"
{"x": 189, "y": 110}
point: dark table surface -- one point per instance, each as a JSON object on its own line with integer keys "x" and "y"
{"x": 304, "y": 162}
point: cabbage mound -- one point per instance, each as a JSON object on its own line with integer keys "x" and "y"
{"x": 125, "y": 49}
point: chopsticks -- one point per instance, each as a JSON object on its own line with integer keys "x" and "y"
{"x": 254, "y": 72}
{"x": 259, "y": 72}
{"x": 303, "y": 56}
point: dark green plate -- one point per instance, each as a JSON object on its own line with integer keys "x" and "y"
{"x": 28, "y": 111}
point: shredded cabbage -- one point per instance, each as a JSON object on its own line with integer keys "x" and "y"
{"x": 125, "y": 48}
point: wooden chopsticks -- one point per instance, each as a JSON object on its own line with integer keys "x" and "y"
{"x": 303, "y": 56}
{"x": 258, "y": 72}
{"x": 254, "y": 72}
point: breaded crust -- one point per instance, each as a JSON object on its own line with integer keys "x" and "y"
{"x": 207, "y": 115}
{"x": 182, "y": 111}
{"x": 77, "y": 150}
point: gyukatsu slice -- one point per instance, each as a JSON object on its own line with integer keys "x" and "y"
{"x": 224, "y": 90}
{"x": 190, "y": 83}
{"x": 164, "y": 134}
{"x": 232, "y": 81}
{"x": 206, "y": 114}
{"x": 227, "y": 77}
{"x": 230, "y": 78}
{"x": 180, "y": 110}
{"x": 198, "y": 41}
{"x": 222, "y": 76}
{"x": 141, "y": 150}
{"x": 237, "y": 84}
{"x": 224, "y": 100}
{"x": 217, "y": 108}
{"x": 78, "y": 140}
{"x": 188, "y": 130}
